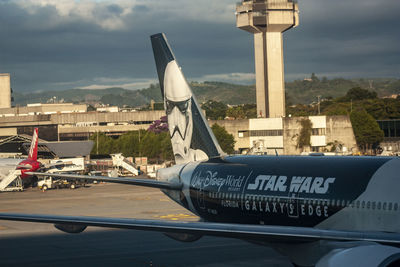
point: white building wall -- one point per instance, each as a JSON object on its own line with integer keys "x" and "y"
{"x": 266, "y": 124}
{"x": 318, "y": 121}
{"x": 267, "y": 141}
{"x": 5, "y": 90}
{"x": 318, "y": 140}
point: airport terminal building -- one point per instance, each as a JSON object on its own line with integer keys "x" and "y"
{"x": 69, "y": 122}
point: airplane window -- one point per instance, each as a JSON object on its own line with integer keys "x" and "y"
{"x": 373, "y": 205}
{"x": 338, "y": 203}
{"x": 343, "y": 203}
{"x": 390, "y": 205}
{"x": 368, "y": 205}
{"x": 378, "y": 206}
{"x": 384, "y": 206}
{"x": 395, "y": 206}
{"x": 358, "y": 204}
{"x": 363, "y": 204}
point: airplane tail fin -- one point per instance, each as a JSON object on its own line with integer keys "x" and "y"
{"x": 191, "y": 137}
{"x": 33, "y": 150}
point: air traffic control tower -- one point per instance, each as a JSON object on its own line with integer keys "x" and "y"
{"x": 267, "y": 20}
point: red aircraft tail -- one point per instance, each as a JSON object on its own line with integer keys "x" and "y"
{"x": 33, "y": 150}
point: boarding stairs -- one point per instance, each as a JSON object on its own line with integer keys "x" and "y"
{"x": 12, "y": 182}
{"x": 121, "y": 161}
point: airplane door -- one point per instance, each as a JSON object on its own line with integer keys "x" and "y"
{"x": 293, "y": 205}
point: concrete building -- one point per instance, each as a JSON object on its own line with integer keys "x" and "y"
{"x": 42, "y": 109}
{"x": 279, "y": 135}
{"x": 5, "y": 90}
{"x": 267, "y": 20}
{"x": 391, "y": 141}
{"x": 68, "y": 122}
{"x": 75, "y": 124}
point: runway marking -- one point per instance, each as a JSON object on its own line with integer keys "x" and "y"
{"x": 176, "y": 217}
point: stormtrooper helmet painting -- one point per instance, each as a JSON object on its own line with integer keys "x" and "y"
{"x": 191, "y": 137}
{"x": 178, "y": 106}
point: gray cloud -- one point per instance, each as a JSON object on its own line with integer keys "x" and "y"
{"x": 83, "y": 44}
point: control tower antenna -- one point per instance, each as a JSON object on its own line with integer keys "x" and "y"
{"x": 267, "y": 20}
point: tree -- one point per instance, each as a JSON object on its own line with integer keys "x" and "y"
{"x": 236, "y": 112}
{"x": 159, "y": 126}
{"x": 156, "y": 145}
{"x": 314, "y": 77}
{"x": 366, "y": 130}
{"x": 357, "y": 93}
{"x": 304, "y": 138}
{"x": 215, "y": 110}
{"x": 105, "y": 145}
{"x": 225, "y": 139}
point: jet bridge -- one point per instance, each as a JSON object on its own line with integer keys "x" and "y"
{"x": 12, "y": 182}
{"x": 120, "y": 161}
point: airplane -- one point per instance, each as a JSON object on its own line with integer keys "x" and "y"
{"x": 24, "y": 166}
{"x": 316, "y": 210}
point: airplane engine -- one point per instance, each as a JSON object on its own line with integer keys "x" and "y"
{"x": 183, "y": 237}
{"x": 369, "y": 255}
{"x": 71, "y": 228}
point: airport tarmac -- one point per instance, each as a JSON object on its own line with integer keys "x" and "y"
{"x": 34, "y": 244}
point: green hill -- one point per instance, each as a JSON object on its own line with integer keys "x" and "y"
{"x": 298, "y": 92}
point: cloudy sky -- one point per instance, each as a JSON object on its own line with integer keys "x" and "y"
{"x": 62, "y": 44}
